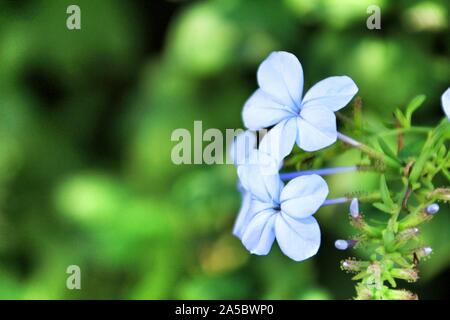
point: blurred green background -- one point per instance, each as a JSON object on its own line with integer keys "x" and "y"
{"x": 86, "y": 118}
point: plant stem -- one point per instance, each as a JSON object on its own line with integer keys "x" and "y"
{"x": 369, "y": 151}
{"x": 336, "y": 201}
{"x": 404, "y": 130}
{"x": 320, "y": 172}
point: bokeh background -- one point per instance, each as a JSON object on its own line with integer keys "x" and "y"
{"x": 86, "y": 118}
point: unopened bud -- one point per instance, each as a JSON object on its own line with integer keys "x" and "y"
{"x": 344, "y": 244}
{"x": 441, "y": 194}
{"x": 364, "y": 293}
{"x": 354, "y": 208}
{"x": 423, "y": 252}
{"x": 432, "y": 208}
{"x": 354, "y": 265}
{"x": 409, "y": 275}
{"x": 406, "y": 235}
{"x": 401, "y": 295}
{"x": 414, "y": 219}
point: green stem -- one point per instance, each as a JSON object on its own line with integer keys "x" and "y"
{"x": 370, "y": 151}
{"x": 372, "y": 197}
{"x": 404, "y": 130}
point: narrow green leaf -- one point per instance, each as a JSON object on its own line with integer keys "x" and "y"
{"x": 384, "y": 191}
{"x": 411, "y": 149}
{"x": 386, "y": 149}
{"x": 390, "y": 279}
{"x": 388, "y": 239}
{"x": 415, "y": 103}
{"x": 360, "y": 275}
{"x": 383, "y": 207}
{"x": 401, "y": 118}
{"x": 398, "y": 259}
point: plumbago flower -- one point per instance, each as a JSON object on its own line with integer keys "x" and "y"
{"x": 275, "y": 211}
{"x": 243, "y": 151}
{"x": 445, "y": 99}
{"x": 309, "y": 121}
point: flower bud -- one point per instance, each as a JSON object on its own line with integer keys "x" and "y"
{"x": 353, "y": 265}
{"x": 406, "y": 235}
{"x": 414, "y": 219}
{"x": 344, "y": 244}
{"x": 409, "y": 275}
{"x": 363, "y": 292}
{"x": 432, "y": 208}
{"x": 341, "y": 244}
{"x": 441, "y": 194}
{"x": 409, "y": 233}
{"x": 401, "y": 295}
{"x": 423, "y": 252}
{"x": 354, "y": 208}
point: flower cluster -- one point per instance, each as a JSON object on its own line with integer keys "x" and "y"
{"x": 270, "y": 209}
{"x": 281, "y": 206}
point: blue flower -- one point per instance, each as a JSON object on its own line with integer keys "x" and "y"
{"x": 310, "y": 121}
{"x": 275, "y": 211}
{"x": 445, "y": 99}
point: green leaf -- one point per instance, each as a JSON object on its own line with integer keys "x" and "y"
{"x": 360, "y": 275}
{"x": 386, "y": 149}
{"x": 388, "y": 239}
{"x": 384, "y": 191}
{"x": 420, "y": 164}
{"x": 398, "y": 259}
{"x": 411, "y": 149}
{"x": 401, "y": 118}
{"x": 415, "y": 103}
{"x": 390, "y": 279}
{"x": 383, "y": 207}
{"x": 441, "y": 154}
{"x": 446, "y": 173}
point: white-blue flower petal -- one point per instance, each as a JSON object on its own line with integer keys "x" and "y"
{"x": 333, "y": 93}
{"x": 261, "y": 111}
{"x": 242, "y": 146}
{"x": 280, "y": 140}
{"x": 303, "y": 196}
{"x": 299, "y": 239}
{"x": 260, "y": 177}
{"x": 445, "y": 99}
{"x": 259, "y": 234}
{"x": 316, "y": 128}
{"x": 244, "y": 215}
{"x": 281, "y": 76}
